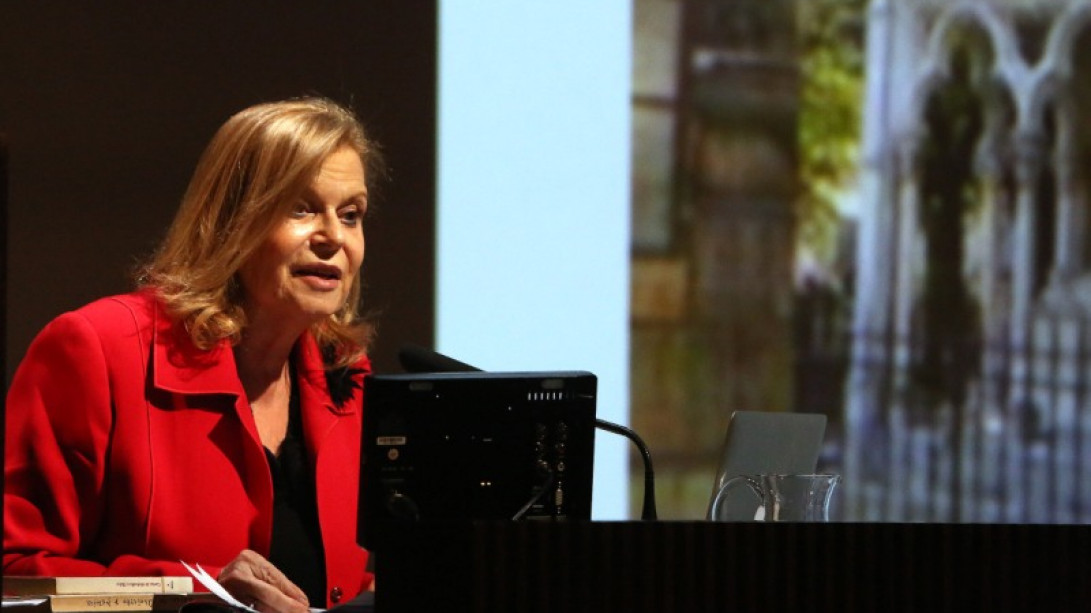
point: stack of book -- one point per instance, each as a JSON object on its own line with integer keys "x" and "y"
{"x": 76, "y": 594}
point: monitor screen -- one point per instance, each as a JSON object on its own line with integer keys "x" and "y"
{"x": 476, "y": 445}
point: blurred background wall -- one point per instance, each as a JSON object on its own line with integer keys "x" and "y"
{"x": 877, "y": 210}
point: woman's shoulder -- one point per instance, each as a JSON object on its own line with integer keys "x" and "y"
{"x": 121, "y": 313}
{"x": 113, "y": 325}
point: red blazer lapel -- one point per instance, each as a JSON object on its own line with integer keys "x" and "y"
{"x": 179, "y": 367}
{"x": 333, "y": 433}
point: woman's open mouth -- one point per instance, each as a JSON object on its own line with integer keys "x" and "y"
{"x": 318, "y": 276}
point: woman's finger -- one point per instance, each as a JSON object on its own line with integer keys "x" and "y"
{"x": 254, "y": 581}
{"x": 274, "y": 577}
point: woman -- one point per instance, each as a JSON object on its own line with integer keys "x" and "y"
{"x": 214, "y": 415}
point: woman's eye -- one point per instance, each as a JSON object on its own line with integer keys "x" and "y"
{"x": 351, "y": 217}
{"x": 301, "y": 210}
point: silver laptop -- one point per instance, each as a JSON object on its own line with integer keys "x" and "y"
{"x": 760, "y": 442}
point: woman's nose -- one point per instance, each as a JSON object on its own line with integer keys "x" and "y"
{"x": 330, "y": 234}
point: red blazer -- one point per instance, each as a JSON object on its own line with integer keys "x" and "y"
{"x": 127, "y": 450}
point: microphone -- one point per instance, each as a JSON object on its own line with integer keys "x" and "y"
{"x": 417, "y": 359}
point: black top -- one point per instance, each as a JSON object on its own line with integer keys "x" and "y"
{"x": 296, "y": 547}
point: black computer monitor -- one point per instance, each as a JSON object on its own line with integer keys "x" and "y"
{"x": 476, "y": 446}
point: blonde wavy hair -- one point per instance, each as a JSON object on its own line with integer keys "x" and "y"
{"x": 257, "y": 164}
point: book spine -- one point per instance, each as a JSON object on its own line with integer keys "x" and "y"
{"x": 112, "y": 602}
{"x": 28, "y": 586}
{"x": 73, "y": 603}
{"x": 109, "y": 585}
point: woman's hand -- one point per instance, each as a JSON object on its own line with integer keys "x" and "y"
{"x": 254, "y": 581}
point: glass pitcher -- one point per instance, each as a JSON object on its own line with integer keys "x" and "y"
{"x": 783, "y": 497}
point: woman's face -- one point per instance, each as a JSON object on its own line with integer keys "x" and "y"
{"x": 303, "y": 271}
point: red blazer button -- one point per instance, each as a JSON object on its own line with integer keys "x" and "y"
{"x": 335, "y": 595}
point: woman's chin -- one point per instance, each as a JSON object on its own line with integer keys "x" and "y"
{"x": 319, "y": 312}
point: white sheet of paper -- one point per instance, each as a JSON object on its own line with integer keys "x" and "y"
{"x": 22, "y": 601}
{"x": 214, "y": 586}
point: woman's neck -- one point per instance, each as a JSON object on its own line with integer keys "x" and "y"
{"x": 261, "y": 362}
{"x": 262, "y": 358}
{"x": 262, "y": 354}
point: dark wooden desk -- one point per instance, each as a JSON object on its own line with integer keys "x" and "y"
{"x": 633, "y": 567}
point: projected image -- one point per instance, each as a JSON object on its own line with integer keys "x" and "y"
{"x": 877, "y": 211}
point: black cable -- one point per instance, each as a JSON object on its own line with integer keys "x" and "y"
{"x": 648, "y": 512}
{"x": 541, "y": 492}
